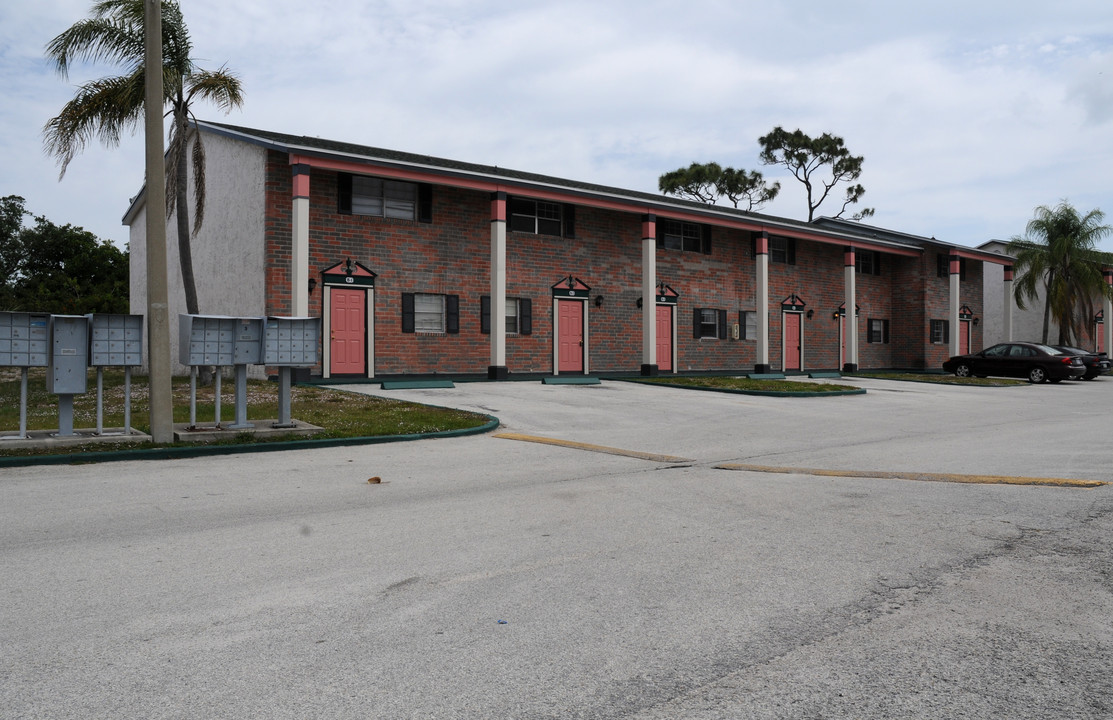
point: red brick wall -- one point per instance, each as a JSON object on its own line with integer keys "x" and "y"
{"x": 451, "y": 256}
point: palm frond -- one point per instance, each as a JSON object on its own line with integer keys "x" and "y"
{"x": 100, "y": 109}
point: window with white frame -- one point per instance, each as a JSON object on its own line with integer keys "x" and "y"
{"x": 384, "y": 198}
{"x": 709, "y": 323}
{"x": 680, "y": 235}
{"x": 782, "y": 250}
{"x": 939, "y": 332}
{"x": 428, "y": 313}
{"x": 867, "y": 262}
{"x": 747, "y": 321}
{"x": 518, "y": 316}
{"x": 877, "y": 331}
{"x": 536, "y": 216}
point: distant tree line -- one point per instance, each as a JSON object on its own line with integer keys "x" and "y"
{"x": 59, "y": 269}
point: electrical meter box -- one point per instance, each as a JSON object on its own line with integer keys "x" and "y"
{"x": 69, "y": 354}
{"x": 219, "y": 340}
{"x": 115, "y": 340}
{"x": 291, "y": 341}
{"x": 23, "y": 339}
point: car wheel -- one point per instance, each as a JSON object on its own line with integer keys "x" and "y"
{"x": 1037, "y": 375}
{"x": 962, "y": 370}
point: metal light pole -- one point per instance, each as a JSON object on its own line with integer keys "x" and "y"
{"x": 158, "y": 311}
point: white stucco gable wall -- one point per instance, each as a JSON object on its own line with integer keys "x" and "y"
{"x": 229, "y": 252}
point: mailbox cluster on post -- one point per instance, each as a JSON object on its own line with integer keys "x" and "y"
{"x": 116, "y": 340}
{"x": 23, "y": 339}
{"x": 220, "y": 341}
{"x": 67, "y": 345}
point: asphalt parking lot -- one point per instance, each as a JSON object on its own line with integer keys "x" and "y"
{"x": 619, "y": 573}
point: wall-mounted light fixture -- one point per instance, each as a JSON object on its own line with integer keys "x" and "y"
{"x": 639, "y": 302}
{"x": 810, "y": 313}
{"x": 312, "y": 285}
{"x": 598, "y": 301}
{"x": 976, "y": 321}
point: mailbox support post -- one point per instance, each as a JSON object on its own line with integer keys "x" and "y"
{"x": 127, "y": 400}
{"x": 100, "y": 401}
{"x": 23, "y": 403}
{"x": 284, "y": 397}
{"x": 65, "y": 415}
{"x": 216, "y": 395}
{"x": 241, "y": 422}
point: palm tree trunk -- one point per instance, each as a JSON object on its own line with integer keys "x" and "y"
{"x": 185, "y": 252}
{"x": 1046, "y": 312}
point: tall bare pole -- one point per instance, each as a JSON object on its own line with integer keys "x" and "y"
{"x": 158, "y": 312}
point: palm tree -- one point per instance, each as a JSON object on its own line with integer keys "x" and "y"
{"x": 1058, "y": 253}
{"x": 103, "y": 108}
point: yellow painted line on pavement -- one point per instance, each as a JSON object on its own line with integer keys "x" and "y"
{"x": 926, "y": 477}
{"x": 653, "y": 457}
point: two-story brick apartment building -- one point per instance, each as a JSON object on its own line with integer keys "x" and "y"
{"x": 420, "y": 265}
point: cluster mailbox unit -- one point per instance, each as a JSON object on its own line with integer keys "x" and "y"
{"x": 67, "y": 345}
{"x": 220, "y": 341}
{"x": 23, "y": 341}
{"x": 114, "y": 341}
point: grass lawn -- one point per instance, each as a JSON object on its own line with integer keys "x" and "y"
{"x": 725, "y": 382}
{"x": 341, "y": 414}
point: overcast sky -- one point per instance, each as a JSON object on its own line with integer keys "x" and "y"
{"x": 969, "y": 114}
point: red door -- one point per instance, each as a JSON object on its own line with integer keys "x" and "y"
{"x": 571, "y": 340}
{"x": 792, "y": 341}
{"x": 664, "y": 337}
{"x": 963, "y": 337}
{"x": 1099, "y": 330}
{"x": 348, "y": 323}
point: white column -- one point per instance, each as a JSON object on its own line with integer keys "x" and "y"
{"x": 1007, "y": 304}
{"x": 761, "y": 301}
{"x": 497, "y": 369}
{"x": 299, "y": 242}
{"x": 850, "y": 320}
{"x": 649, "y": 295}
{"x": 952, "y": 309}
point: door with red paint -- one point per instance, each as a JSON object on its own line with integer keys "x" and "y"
{"x": 571, "y": 338}
{"x": 664, "y": 337}
{"x": 1099, "y": 331}
{"x": 348, "y": 323}
{"x": 963, "y": 337}
{"x": 792, "y": 341}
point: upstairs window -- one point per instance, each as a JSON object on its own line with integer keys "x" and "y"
{"x": 541, "y": 217}
{"x": 747, "y": 324}
{"x": 679, "y": 235}
{"x": 782, "y": 250}
{"x": 943, "y": 266}
{"x": 867, "y": 262}
{"x": 377, "y": 197}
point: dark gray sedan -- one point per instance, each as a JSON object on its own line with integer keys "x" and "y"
{"x": 1035, "y": 361}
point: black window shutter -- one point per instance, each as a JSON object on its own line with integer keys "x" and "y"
{"x": 877, "y": 265}
{"x": 742, "y": 325}
{"x": 407, "y": 312}
{"x": 344, "y": 194}
{"x": 697, "y": 316}
{"x": 869, "y": 330}
{"x": 452, "y": 314}
{"x": 425, "y": 203}
{"x": 946, "y": 331}
{"x": 722, "y": 324}
{"x": 485, "y": 314}
{"x": 569, "y": 221}
{"x": 525, "y": 316}
{"x": 705, "y": 240}
{"x": 753, "y": 245}
{"x": 790, "y": 251}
